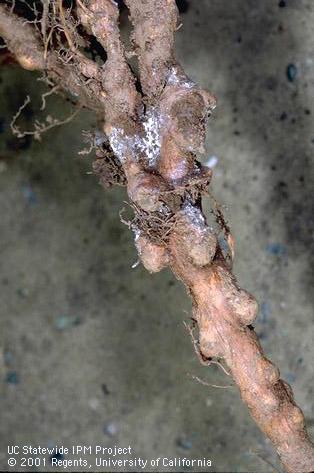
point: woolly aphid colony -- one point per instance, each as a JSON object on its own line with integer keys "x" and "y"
{"x": 154, "y": 128}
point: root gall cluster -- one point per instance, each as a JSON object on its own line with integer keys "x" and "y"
{"x": 154, "y": 126}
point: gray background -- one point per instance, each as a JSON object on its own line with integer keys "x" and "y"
{"x": 93, "y": 352}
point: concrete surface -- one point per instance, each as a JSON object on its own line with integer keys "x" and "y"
{"x": 94, "y": 353}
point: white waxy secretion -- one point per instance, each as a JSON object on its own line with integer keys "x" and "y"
{"x": 177, "y": 78}
{"x": 211, "y": 162}
{"x": 146, "y": 145}
{"x": 151, "y": 142}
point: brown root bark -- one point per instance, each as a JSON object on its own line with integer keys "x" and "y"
{"x": 155, "y": 137}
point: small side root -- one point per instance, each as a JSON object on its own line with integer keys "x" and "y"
{"x": 156, "y": 226}
{"x": 106, "y": 165}
{"x": 39, "y": 127}
{"x": 204, "y": 361}
{"x": 205, "y": 383}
